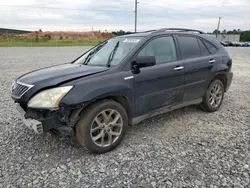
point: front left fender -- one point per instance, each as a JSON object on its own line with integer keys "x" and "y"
{"x": 93, "y": 89}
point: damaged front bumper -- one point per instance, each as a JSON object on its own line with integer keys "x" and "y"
{"x": 41, "y": 121}
{"x": 30, "y": 123}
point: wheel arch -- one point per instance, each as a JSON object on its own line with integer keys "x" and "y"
{"x": 222, "y": 77}
{"x": 122, "y": 100}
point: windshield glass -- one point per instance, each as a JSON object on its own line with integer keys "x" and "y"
{"x": 109, "y": 53}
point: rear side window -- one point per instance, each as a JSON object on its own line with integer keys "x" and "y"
{"x": 189, "y": 47}
{"x": 204, "y": 50}
{"x": 210, "y": 47}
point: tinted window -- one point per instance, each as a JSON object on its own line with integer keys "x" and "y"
{"x": 210, "y": 47}
{"x": 162, "y": 48}
{"x": 189, "y": 47}
{"x": 204, "y": 49}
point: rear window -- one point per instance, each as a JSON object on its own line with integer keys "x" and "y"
{"x": 189, "y": 47}
{"x": 204, "y": 49}
{"x": 210, "y": 47}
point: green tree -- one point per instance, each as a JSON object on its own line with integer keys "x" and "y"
{"x": 216, "y": 31}
{"x": 235, "y": 31}
{"x": 121, "y": 32}
{"x": 245, "y": 36}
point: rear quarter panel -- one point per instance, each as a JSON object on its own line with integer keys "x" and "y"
{"x": 221, "y": 67}
{"x": 223, "y": 60}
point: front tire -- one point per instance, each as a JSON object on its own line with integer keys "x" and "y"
{"x": 213, "y": 97}
{"x": 102, "y": 126}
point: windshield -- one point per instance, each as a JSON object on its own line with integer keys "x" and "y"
{"x": 117, "y": 48}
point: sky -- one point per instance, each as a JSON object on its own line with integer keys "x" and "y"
{"x": 113, "y": 15}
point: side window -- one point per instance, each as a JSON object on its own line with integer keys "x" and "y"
{"x": 162, "y": 48}
{"x": 210, "y": 47}
{"x": 189, "y": 47}
{"x": 204, "y": 49}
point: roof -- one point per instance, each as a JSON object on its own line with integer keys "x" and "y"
{"x": 163, "y": 30}
{"x": 138, "y": 34}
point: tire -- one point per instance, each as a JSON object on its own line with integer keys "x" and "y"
{"x": 215, "y": 91}
{"x": 93, "y": 123}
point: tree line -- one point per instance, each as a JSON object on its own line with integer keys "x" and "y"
{"x": 121, "y": 32}
{"x": 244, "y": 35}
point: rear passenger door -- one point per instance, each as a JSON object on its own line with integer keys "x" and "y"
{"x": 198, "y": 64}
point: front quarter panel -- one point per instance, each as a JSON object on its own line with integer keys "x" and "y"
{"x": 87, "y": 89}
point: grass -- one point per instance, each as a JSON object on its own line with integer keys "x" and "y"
{"x": 23, "y": 43}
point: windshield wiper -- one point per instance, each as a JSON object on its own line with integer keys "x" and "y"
{"x": 112, "y": 54}
{"x": 90, "y": 55}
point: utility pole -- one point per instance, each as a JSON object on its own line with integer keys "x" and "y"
{"x": 218, "y": 27}
{"x": 136, "y": 3}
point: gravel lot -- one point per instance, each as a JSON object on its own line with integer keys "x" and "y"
{"x": 183, "y": 148}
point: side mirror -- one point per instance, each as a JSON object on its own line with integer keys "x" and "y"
{"x": 145, "y": 61}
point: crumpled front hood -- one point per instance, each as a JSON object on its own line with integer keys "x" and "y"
{"x": 57, "y": 74}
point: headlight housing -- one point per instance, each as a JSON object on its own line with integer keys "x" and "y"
{"x": 50, "y": 98}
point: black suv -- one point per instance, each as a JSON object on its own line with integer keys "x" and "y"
{"x": 123, "y": 81}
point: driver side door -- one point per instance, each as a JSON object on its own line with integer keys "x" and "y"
{"x": 162, "y": 84}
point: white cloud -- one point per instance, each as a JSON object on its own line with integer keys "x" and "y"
{"x": 82, "y": 15}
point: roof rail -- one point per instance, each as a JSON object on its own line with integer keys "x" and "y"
{"x": 178, "y": 29}
{"x": 146, "y": 31}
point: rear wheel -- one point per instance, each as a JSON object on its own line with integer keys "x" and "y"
{"x": 213, "y": 97}
{"x": 102, "y": 126}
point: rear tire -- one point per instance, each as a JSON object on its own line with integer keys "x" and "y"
{"x": 102, "y": 126}
{"x": 213, "y": 97}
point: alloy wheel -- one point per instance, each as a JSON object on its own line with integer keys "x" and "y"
{"x": 215, "y": 96}
{"x": 106, "y": 127}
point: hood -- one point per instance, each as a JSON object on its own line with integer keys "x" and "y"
{"x": 57, "y": 74}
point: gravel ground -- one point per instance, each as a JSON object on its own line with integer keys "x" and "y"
{"x": 183, "y": 148}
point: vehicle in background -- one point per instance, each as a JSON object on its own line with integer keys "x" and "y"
{"x": 224, "y": 43}
{"x": 123, "y": 81}
{"x": 246, "y": 44}
{"x": 229, "y": 43}
{"x": 237, "y": 44}
{"x": 233, "y": 43}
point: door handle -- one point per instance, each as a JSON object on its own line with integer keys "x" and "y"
{"x": 212, "y": 61}
{"x": 178, "y": 68}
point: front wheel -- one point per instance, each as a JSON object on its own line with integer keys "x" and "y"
{"x": 213, "y": 97}
{"x": 102, "y": 126}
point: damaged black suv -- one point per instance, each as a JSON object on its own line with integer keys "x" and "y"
{"x": 123, "y": 81}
